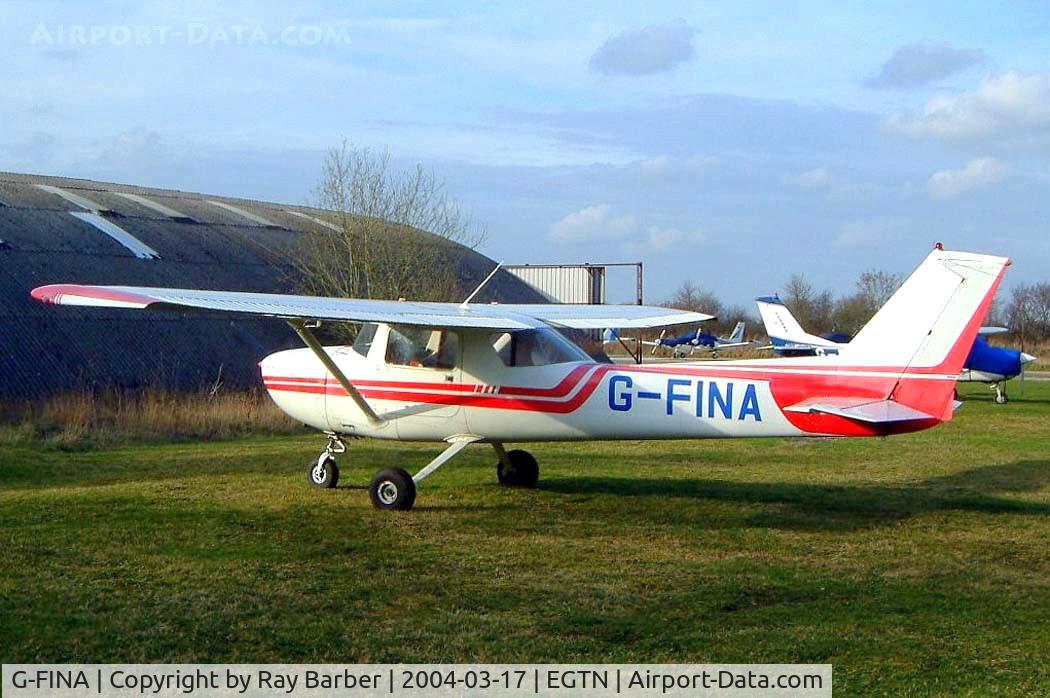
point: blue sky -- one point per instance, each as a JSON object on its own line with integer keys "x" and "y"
{"x": 732, "y": 144}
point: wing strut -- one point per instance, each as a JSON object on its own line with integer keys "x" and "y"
{"x": 308, "y": 338}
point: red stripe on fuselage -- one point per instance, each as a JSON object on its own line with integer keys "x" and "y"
{"x": 786, "y": 388}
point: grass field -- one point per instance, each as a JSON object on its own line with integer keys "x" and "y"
{"x": 915, "y": 565}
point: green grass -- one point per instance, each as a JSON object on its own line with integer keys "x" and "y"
{"x": 916, "y": 564}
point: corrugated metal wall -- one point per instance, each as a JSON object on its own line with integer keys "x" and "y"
{"x": 564, "y": 283}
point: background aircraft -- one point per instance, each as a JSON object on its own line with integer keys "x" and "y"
{"x": 684, "y": 345}
{"x": 984, "y": 364}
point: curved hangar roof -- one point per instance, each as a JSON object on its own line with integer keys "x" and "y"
{"x": 59, "y": 230}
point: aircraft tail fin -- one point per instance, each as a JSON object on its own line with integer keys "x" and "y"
{"x": 927, "y": 328}
{"x": 934, "y": 317}
{"x": 738, "y": 333}
{"x": 781, "y": 325}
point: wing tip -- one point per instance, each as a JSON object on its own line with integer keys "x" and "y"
{"x": 46, "y": 294}
{"x": 76, "y": 294}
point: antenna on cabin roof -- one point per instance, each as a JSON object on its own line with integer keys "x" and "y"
{"x": 492, "y": 273}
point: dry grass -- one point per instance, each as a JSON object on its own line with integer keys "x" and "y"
{"x": 1041, "y": 351}
{"x": 92, "y": 419}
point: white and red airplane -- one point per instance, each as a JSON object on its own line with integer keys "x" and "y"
{"x": 495, "y": 373}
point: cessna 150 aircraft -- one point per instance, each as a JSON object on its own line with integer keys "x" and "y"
{"x": 495, "y": 374}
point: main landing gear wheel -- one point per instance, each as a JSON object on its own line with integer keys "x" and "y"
{"x": 519, "y": 470}
{"x": 323, "y": 473}
{"x": 392, "y": 488}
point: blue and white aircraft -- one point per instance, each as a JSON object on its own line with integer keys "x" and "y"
{"x": 984, "y": 364}
{"x": 684, "y": 345}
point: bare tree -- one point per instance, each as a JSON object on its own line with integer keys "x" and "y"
{"x": 874, "y": 288}
{"x": 1042, "y": 308}
{"x": 689, "y": 296}
{"x": 1023, "y": 313}
{"x": 811, "y": 308}
{"x": 395, "y": 231}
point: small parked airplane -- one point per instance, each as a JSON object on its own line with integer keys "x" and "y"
{"x": 685, "y": 344}
{"x": 786, "y": 336}
{"x": 984, "y": 364}
{"x": 495, "y": 373}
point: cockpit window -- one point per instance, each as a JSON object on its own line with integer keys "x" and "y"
{"x": 536, "y": 347}
{"x": 365, "y": 336}
{"x": 422, "y": 346}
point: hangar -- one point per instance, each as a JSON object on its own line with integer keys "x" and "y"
{"x": 56, "y": 229}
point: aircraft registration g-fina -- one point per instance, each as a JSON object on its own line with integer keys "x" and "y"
{"x": 497, "y": 374}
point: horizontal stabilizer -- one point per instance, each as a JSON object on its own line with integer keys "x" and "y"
{"x": 861, "y": 409}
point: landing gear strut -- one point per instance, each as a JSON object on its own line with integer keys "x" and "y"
{"x": 324, "y": 472}
{"x": 1001, "y": 398}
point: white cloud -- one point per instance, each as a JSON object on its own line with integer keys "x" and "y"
{"x": 979, "y": 172}
{"x": 922, "y": 64}
{"x": 811, "y": 179}
{"x": 660, "y": 239}
{"x": 1001, "y": 105}
{"x": 663, "y": 238}
{"x": 859, "y": 233}
{"x": 597, "y": 222}
{"x": 662, "y": 165}
{"x": 646, "y": 51}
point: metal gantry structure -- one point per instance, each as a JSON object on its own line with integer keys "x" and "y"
{"x": 580, "y": 283}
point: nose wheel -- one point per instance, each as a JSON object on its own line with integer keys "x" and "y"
{"x": 324, "y": 472}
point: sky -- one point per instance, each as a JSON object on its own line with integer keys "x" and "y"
{"x": 728, "y": 144}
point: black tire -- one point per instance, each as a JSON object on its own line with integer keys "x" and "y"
{"x": 1002, "y": 399}
{"x": 323, "y": 473}
{"x": 392, "y": 488}
{"x": 521, "y": 471}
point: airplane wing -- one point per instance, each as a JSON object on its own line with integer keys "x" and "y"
{"x": 988, "y": 331}
{"x": 481, "y": 316}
